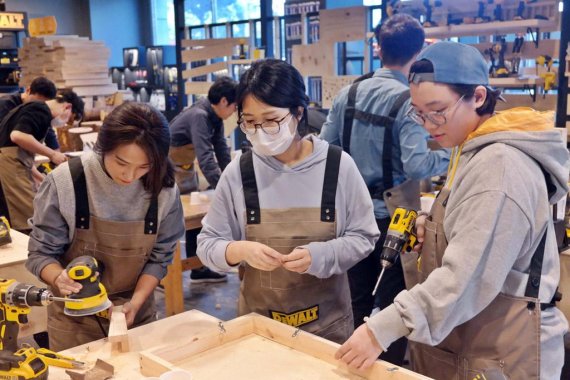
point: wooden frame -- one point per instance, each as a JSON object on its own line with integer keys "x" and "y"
{"x": 287, "y": 341}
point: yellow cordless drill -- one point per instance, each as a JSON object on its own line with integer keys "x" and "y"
{"x": 400, "y": 238}
{"x": 16, "y": 300}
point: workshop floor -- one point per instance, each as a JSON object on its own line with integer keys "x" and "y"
{"x": 217, "y": 299}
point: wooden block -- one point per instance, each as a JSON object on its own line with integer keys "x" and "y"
{"x": 197, "y": 88}
{"x": 207, "y": 53}
{"x": 213, "y": 42}
{"x": 118, "y": 331}
{"x": 332, "y": 85}
{"x": 95, "y": 90}
{"x": 342, "y": 24}
{"x": 173, "y": 290}
{"x": 314, "y": 60}
{"x": 203, "y": 70}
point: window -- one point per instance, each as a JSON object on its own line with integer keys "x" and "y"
{"x": 163, "y": 30}
{"x": 199, "y": 12}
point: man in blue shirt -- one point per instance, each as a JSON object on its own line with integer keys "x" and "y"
{"x": 369, "y": 121}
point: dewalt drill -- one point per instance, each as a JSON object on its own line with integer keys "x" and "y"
{"x": 5, "y": 237}
{"x": 16, "y": 300}
{"x": 400, "y": 238}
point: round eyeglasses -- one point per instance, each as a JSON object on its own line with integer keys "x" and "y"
{"x": 438, "y": 118}
{"x": 270, "y": 127}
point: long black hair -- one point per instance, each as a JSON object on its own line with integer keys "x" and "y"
{"x": 276, "y": 83}
{"x": 145, "y": 126}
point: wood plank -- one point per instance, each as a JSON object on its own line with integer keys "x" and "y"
{"x": 332, "y": 86}
{"x": 489, "y": 28}
{"x": 203, "y": 70}
{"x": 209, "y": 42}
{"x": 197, "y": 88}
{"x": 343, "y": 24}
{"x": 95, "y": 90}
{"x": 315, "y": 59}
{"x": 207, "y": 53}
{"x": 118, "y": 332}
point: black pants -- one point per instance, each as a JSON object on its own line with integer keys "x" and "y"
{"x": 191, "y": 243}
{"x": 362, "y": 278}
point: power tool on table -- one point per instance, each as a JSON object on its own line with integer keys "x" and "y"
{"x": 5, "y": 237}
{"x": 16, "y": 300}
{"x": 400, "y": 239}
{"x": 92, "y": 298}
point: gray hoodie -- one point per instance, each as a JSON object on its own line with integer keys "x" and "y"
{"x": 494, "y": 220}
{"x": 281, "y": 186}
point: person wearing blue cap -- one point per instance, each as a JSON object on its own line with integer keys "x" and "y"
{"x": 368, "y": 119}
{"x": 481, "y": 294}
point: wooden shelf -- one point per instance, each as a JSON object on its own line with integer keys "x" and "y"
{"x": 515, "y": 82}
{"x": 241, "y": 61}
{"x": 489, "y": 28}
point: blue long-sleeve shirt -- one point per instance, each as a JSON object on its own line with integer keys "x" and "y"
{"x": 411, "y": 157}
{"x": 199, "y": 125}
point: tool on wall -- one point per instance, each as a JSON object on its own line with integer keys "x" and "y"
{"x": 93, "y": 296}
{"x": 16, "y": 300}
{"x": 500, "y": 47}
{"x": 516, "y": 59}
{"x": 400, "y": 239}
{"x": 549, "y": 76}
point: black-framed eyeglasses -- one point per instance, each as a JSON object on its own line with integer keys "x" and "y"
{"x": 438, "y": 118}
{"x": 271, "y": 127}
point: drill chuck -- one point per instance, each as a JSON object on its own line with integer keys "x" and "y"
{"x": 22, "y": 295}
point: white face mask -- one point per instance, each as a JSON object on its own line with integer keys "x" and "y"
{"x": 272, "y": 145}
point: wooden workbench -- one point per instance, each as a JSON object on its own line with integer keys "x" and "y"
{"x": 170, "y": 330}
{"x": 12, "y": 259}
{"x": 173, "y": 289}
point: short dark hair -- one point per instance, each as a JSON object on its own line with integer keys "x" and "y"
{"x": 465, "y": 90}
{"x": 43, "y": 87}
{"x": 223, "y": 87}
{"x": 400, "y": 37}
{"x": 276, "y": 83}
{"x": 77, "y": 104}
{"x": 147, "y": 127}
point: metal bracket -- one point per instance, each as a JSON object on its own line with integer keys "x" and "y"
{"x": 296, "y": 332}
{"x": 534, "y": 40}
{"x": 221, "y": 327}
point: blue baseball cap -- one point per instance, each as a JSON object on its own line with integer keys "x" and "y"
{"x": 453, "y": 63}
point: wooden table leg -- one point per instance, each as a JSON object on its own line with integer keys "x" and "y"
{"x": 173, "y": 289}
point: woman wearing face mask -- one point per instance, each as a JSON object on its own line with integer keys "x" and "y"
{"x": 118, "y": 204}
{"x": 295, "y": 212}
{"x": 22, "y": 132}
{"x": 488, "y": 267}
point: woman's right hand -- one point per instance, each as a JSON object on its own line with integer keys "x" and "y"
{"x": 255, "y": 254}
{"x": 66, "y": 285}
{"x": 420, "y": 232}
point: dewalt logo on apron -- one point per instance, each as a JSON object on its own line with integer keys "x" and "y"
{"x": 297, "y": 318}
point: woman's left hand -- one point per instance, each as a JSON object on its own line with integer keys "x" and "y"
{"x": 360, "y": 350}
{"x": 130, "y": 309}
{"x": 298, "y": 260}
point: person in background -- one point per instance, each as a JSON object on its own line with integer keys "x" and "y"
{"x": 481, "y": 296}
{"x": 368, "y": 119}
{"x": 293, "y": 211}
{"x": 198, "y": 132}
{"x": 118, "y": 204}
{"x": 21, "y": 134}
{"x": 77, "y": 104}
{"x": 41, "y": 89}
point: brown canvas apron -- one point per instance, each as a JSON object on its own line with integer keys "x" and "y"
{"x": 318, "y": 305}
{"x": 17, "y": 185}
{"x": 185, "y": 173}
{"x": 122, "y": 250}
{"x": 486, "y": 341}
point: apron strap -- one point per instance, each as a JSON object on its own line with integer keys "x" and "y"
{"x": 82, "y": 213}
{"x": 249, "y": 188}
{"x": 533, "y": 283}
{"x": 351, "y": 113}
{"x": 330, "y": 183}
{"x": 151, "y": 217}
{"x": 328, "y": 198}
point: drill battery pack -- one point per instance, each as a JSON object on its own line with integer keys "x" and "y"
{"x": 5, "y": 237}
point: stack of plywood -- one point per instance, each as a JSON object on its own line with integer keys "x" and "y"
{"x": 69, "y": 61}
